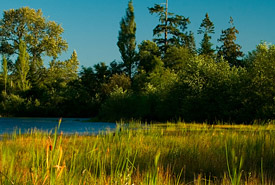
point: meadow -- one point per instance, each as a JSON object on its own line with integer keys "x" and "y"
{"x": 170, "y": 153}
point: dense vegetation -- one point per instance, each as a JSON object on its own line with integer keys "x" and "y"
{"x": 168, "y": 78}
{"x": 152, "y": 154}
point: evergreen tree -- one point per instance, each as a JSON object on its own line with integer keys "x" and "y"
{"x": 206, "y": 28}
{"x": 22, "y": 67}
{"x": 5, "y": 72}
{"x": 230, "y": 51}
{"x": 127, "y": 39}
{"x": 173, "y": 27}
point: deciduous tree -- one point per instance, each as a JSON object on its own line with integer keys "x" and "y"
{"x": 22, "y": 67}
{"x": 5, "y": 72}
{"x": 42, "y": 37}
{"x": 127, "y": 39}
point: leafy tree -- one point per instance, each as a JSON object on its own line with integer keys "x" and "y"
{"x": 206, "y": 28}
{"x": 263, "y": 81}
{"x": 116, "y": 67}
{"x": 42, "y": 37}
{"x": 102, "y": 73}
{"x": 177, "y": 57}
{"x": 22, "y": 67}
{"x": 173, "y": 27}
{"x": 149, "y": 56}
{"x": 117, "y": 81}
{"x": 230, "y": 51}
{"x": 127, "y": 39}
{"x": 63, "y": 72}
{"x": 5, "y": 72}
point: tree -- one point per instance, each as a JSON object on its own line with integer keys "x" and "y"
{"x": 42, "y": 37}
{"x": 173, "y": 27}
{"x": 230, "y": 51}
{"x": 22, "y": 67}
{"x": 263, "y": 81}
{"x": 149, "y": 56}
{"x": 127, "y": 39}
{"x": 5, "y": 72}
{"x": 63, "y": 72}
{"x": 206, "y": 28}
{"x": 117, "y": 81}
{"x": 176, "y": 58}
{"x": 72, "y": 67}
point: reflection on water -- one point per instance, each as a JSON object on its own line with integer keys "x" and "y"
{"x": 68, "y": 125}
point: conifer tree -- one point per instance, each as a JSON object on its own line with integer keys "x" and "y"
{"x": 230, "y": 50}
{"x": 173, "y": 28}
{"x": 206, "y": 28}
{"x": 127, "y": 39}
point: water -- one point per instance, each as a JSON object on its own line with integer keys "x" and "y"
{"x": 68, "y": 125}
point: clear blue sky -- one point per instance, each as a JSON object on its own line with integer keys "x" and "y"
{"x": 91, "y": 26}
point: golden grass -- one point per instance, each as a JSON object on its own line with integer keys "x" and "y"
{"x": 143, "y": 154}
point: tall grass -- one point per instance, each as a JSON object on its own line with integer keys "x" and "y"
{"x": 142, "y": 154}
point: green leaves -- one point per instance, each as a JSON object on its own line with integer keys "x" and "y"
{"x": 41, "y": 36}
{"x": 127, "y": 39}
{"x": 230, "y": 51}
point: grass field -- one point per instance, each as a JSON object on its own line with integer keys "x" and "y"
{"x": 143, "y": 154}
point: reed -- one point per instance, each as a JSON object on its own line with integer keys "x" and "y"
{"x": 142, "y": 154}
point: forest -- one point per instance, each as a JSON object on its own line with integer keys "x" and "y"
{"x": 167, "y": 78}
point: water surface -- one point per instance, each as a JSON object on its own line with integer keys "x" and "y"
{"x": 68, "y": 125}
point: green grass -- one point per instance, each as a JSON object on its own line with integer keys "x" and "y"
{"x": 143, "y": 154}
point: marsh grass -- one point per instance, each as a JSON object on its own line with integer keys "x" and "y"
{"x": 142, "y": 154}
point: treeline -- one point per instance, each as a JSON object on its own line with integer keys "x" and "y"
{"x": 168, "y": 78}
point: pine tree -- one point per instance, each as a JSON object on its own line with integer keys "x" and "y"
{"x": 127, "y": 39}
{"x": 22, "y": 67}
{"x": 206, "y": 28}
{"x": 230, "y": 50}
{"x": 173, "y": 28}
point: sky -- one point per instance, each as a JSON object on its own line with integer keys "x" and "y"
{"x": 91, "y": 27}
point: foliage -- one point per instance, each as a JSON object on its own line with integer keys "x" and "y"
{"x": 22, "y": 67}
{"x": 206, "y": 28}
{"x": 5, "y": 72}
{"x": 41, "y": 36}
{"x": 174, "y": 29}
{"x": 230, "y": 51}
{"x": 149, "y": 57}
{"x": 127, "y": 39}
{"x": 165, "y": 80}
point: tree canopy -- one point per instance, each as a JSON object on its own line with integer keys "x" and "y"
{"x": 167, "y": 78}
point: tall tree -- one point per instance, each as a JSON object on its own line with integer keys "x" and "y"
{"x": 22, "y": 67}
{"x": 172, "y": 29}
{"x": 229, "y": 49}
{"x": 206, "y": 28}
{"x": 72, "y": 66}
{"x": 42, "y": 37}
{"x": 5, "y": 72}
{"x": 127, "y": 39}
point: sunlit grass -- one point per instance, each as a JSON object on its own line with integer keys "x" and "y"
{"x": 142, "y": 154}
